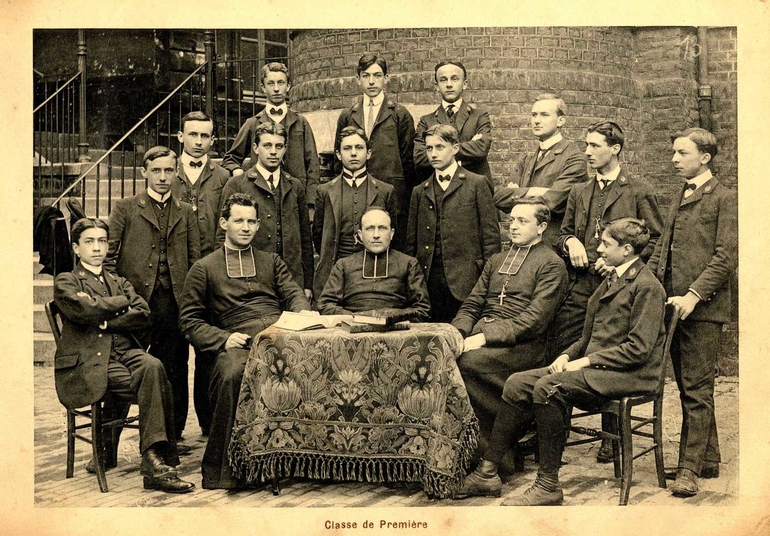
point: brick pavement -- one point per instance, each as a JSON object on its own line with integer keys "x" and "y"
{"x": 584, "y": 482}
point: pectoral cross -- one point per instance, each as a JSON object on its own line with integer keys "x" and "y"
{"x": 502, "y": 294}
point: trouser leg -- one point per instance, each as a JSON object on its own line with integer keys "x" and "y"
{"x": 204, "y": 365}
{"x": 443, "y": 305}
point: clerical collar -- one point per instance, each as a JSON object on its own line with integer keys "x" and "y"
{"x": 609, "y": 177}
{"x": 377, "y": 101}
{"x": 375, "y": 266}
{"x": 240, "y": 262}
{"x": 450, "y": 170}
{"x": 701, "y": 179}
{"x": 456, "y": 104}
{"x": 96, "y": 270}
{"x": 550, "y": 142}
{"x": 186, "y": 159}
{"x": 620, "y": 270}
{"x": 512, "y": 264}
{"x": 266, "y": 174}
{"x": 157, "y": 197}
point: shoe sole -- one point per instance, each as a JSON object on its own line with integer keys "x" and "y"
{"x": 151, "y": 484}
{"x": 494, "y": 495}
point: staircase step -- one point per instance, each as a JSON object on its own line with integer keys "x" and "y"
{"x": 39, "y": 319}
{"x": 115, "y": 185}
{"x": 42, "y": 291}
{"x": 44, "y": 348}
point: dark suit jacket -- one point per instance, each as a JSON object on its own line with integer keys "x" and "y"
{"x": 629, "y": 197}
{"x": 208, "y": 203}
{"x": 700, "y": 237}
{"x": 295, "y": 223}
{"x": 559, "y": 170}
{"x": 135, "y": 237}
{"x": 300, "y": 160}
{"x": 326, "y": 222}
{"x": 470, "y": 234}
{"x": 623, "y": 334}
{"x": 84, "y": 349}
{"x": 392, "y": 140}
{"x": 469, "y": 120}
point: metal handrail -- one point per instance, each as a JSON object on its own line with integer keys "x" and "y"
{"x": 126, "y": 135}
{"x": 57, "y": 92}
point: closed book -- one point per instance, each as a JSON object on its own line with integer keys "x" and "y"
{"x": 382, "y": 317}
{"x": 357, "y": 327}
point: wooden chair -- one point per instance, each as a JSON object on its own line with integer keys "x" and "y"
{"x": 620, "y": 415}
{"x": 94, "y": 416}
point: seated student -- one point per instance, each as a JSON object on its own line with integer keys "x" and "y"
{"x": 619, "y": 354}
{"x": 453, "y": 226}
{"x": 229, "y": 296}
{"x": 378, "y": 277}
{"x": 342, "y": 201}
{"x": 505, "y": 317}
{"x": 101, "y": 314}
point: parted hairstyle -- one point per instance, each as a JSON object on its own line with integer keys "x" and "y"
{"x": 352, "y": 131}
{"x": 561, "y": 107}
{"x": 274, "y": 67}
{"x": 269, "y": 127}
{"x": 611, "y": 131}
{"x": 196, "y": 116}
{"x": 83, "y": 224}
{"x": 159, "y": 151}
{"x": 629, "y": 231}
{"x": 542, "y": 212}
{"x": 702, "y": 138}
{"x": 367, "y": 60}
{"x": 240, "y": 199}
{"x": 444, "y": 64}
{"x": 448, "y": 133}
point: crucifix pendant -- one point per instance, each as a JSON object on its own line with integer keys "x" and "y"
{"x": 502, "y": 294}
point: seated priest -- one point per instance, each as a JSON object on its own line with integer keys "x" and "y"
{"x": 229, "y": 296}
{"x": 620, "y": 353}
{"x": 505, "y": 317}
{"x": 376, "y": 277}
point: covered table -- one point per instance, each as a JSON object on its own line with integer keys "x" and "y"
{"x": 377, "y": 407}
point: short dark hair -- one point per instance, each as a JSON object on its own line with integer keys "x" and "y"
{"x": 367, "y": 60}
{"x": 159, "y": 151}
{"x": 274, "y": 67}
{"x": 239, "y": 199}
{"x": 372, "y": 209}
{"x": 630, "y": 231}
{"x": 351, "y": 131}
{"x": 542, "y": 212}
{"x": 196, "y": 116}
{"x": 448, "y": 133}
{"x": 269, "y": 127}
{"x": 441, "y": 64}
{"x": 702, "y": 138}
{"x": 611, "y": 131}
{"x": 83, "y": 224}
{"x": 561, "y": 106}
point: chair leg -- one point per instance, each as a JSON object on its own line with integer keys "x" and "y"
{"x": 276, "y": 486}
{"x": 627, "y": 454}
{"x": 657, "y": 433}
{"x": 70, "y": 443}
{"x": 97, "y": 445}
{"x": 612, "y": 421}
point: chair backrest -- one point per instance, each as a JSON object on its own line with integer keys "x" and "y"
{"x": 53, "y": 314}
{"x": 669, "y": 321}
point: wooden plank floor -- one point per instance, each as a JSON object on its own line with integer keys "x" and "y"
{"x": 584, "y": 481}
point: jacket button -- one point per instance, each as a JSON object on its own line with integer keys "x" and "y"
{"x": 424, "y": 267}
{"x": 426, "y": 247}
{"x": 150, "y": 266}
{"x": 98, "y": 354}
{"x": 431, "y": 206}
{"x": 269, "y": 216}
{"x": 153, "y": 246}
{"x": 146, "y": 284}
{"x": 428, "y": 227}
{"x": 100, "y": 335}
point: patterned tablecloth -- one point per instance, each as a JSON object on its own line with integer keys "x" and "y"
{"x": 377, "y": 407}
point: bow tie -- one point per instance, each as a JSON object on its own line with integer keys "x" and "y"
{"x": 276, "y": 111}
{"x": 194, "y": 164}
{"x": 690, "y": 186}
{"x": 445, "y": 178}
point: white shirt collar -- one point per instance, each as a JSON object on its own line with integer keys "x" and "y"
{"x": 186, "y": 159}
{"x": 96, "y": 270}
{"x": 609, "y": 177}
{"x": 356, "y": 176}
{"x": 701, "y": 179}
{"x": 448, "y": 171}
{"x": 550, "y": 142}
{"x": 456, "y": 104}
{"x": 620, "y": 270}
{"x": 157, "y": 197}
{"x": 377, "y": 100}
{"x": 265, "y": 173}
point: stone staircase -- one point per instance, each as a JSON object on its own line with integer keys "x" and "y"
{"x": 42, "y": 292}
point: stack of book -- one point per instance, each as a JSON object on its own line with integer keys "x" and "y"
{"x": 379, "y": 320}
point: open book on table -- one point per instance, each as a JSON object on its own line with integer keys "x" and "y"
{"x": 304, "y": 321}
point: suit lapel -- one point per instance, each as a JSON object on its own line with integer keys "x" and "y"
{"x": 285, "y": 186}
{"x": 698, "y": 194}
{"x": 358, "y": 113}
{"x": 91, "y": 281}
{"x": 174, "y": 214}
{"x": 623, "y": 280}
{"x": 386, "y": 110}
{"x": 547, "y": 158}
{"x": 146, "y": 211}
{"x": 529, "y": 166}
{"x": 457, "y": 180}
{"x": 289, "y": 119}
{"x": 616, "y": 190}
{"x": 371, "y": 191}
{"x": 258, "y": 180}
{"x": 461, "y": 116}
{"x": 427, "y": 187}
{"x": 335, "y": 199}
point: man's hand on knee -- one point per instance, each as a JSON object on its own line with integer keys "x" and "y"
{"x": 558, "y": 364}
{"x": 237, "y": 340}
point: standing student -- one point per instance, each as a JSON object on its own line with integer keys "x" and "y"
{"x": 390, "y": 130}
{"x": 301, "y": 157}
{"x": 154, "y": 240}
{"x": 342, "y": 201}
{"x": 695, "y": 257}
{"x": 285, "y": 225}
{"x": 472, "y": 123}
{"x": 552, "y": 170}
{"x": 453, "y": 226}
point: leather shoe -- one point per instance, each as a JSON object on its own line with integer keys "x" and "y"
{"x": 605, "y": 452}
{"x": 536, "y": 496}
{"x": 153, "y": 465}
{"x": 685, "y": 485}
{"x": 168, "y": 483}
{"x": 710, "y": 471}
{"x": 479, "y": 484}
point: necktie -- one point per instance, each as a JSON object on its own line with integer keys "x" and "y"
{"x": 445, "y": 178}
{"x": 450, "y": 111}
{"x": 370, "y": 120}
{"x": 541, "y": 154}
{"x": 612, "y": 278}
{"x": 194, "y": 164}
{"x": 275, "y": 111}
{"x": 602, "y": 183}
{"x": 271, "y": 182}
